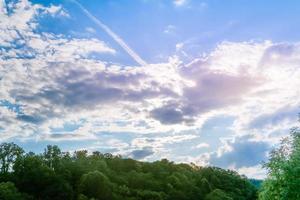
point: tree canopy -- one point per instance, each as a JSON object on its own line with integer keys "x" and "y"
{"x": 81, "y": 175}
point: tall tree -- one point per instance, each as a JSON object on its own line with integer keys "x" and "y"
{"x": 52, "y": 155}
{"x": 34, "y": 177}
{"x": 283, "y": 181}
{"x": 9, "y": 152}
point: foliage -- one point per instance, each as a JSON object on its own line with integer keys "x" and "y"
{"x": 95, "y": 185}
{"x": 217, "y": 194}
{"x": 283, "y": 167}
{"x": 9, "y": 152}
{"x": 8, "y": 191}
{"x": 57, "y": 175}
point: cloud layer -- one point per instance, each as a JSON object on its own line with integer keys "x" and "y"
{"x": 53, "y": 89}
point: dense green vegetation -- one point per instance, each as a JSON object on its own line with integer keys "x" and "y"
{"x": 58, "y": 175}
{"x": 81, "y": 176}
{"x": 283, "y": 182}
{"x": 257, "y": 183}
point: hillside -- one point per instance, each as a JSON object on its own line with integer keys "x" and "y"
{"x": 56, "y": 175}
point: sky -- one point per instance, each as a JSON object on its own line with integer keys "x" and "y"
{"x": 211, "y": 82}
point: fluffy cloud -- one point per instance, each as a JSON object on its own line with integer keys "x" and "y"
{"x": 255, "y": 171}
{"x": 242, "y": 152}
{"x": 202, "y": 145}
{"x": 212, "y": 90}
{"x": 280, "y": 116}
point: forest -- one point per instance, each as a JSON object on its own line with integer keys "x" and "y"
{"x": 56, "y": 175}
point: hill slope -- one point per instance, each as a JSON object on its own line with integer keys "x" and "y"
{"x": 57, "y": 175}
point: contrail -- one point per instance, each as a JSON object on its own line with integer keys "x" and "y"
{"x": 117, "y": 38}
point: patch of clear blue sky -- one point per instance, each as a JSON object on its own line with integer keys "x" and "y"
{"x": 141, "y": 23}
{"x": 10, "y": 106}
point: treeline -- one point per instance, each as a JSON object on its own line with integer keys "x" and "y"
{"x": 55, "y": 175}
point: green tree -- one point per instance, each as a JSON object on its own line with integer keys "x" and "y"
{"x": 34, "y": 177}
{"x": 82, "y": 197}
{"x": 95, "y": 185}
{"x": 205, "y": 186}
{"x": 8, "y": 191}
{"x": 218, "y": 194}
{"x": 52, "y": 155}
{"x": 9, "y": 152}
{"x": 283, "y": 181}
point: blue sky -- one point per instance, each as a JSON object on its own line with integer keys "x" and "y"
{"x": 211, "y": 82}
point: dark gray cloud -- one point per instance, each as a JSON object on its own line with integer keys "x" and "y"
{"x": 83, "y": 89}
{"x": 141, "y": 153}
{"x": 168, "y": 114}
{"x": 286, "y": 113}
{"x": 245, "y": 153}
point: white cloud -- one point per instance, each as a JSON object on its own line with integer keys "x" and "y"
{"x": 179, "y": 2}
{"x": 90, "y": 30}
{"x": 202, "y": 145}
{"x": 256, "y": 172}
{"x": 170, "y": 29}
{"x": 198, "y": 5}
{"x": 179, "y": 46}
{"x": 211, "y": 84}
{"x": 56, "y": 11}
